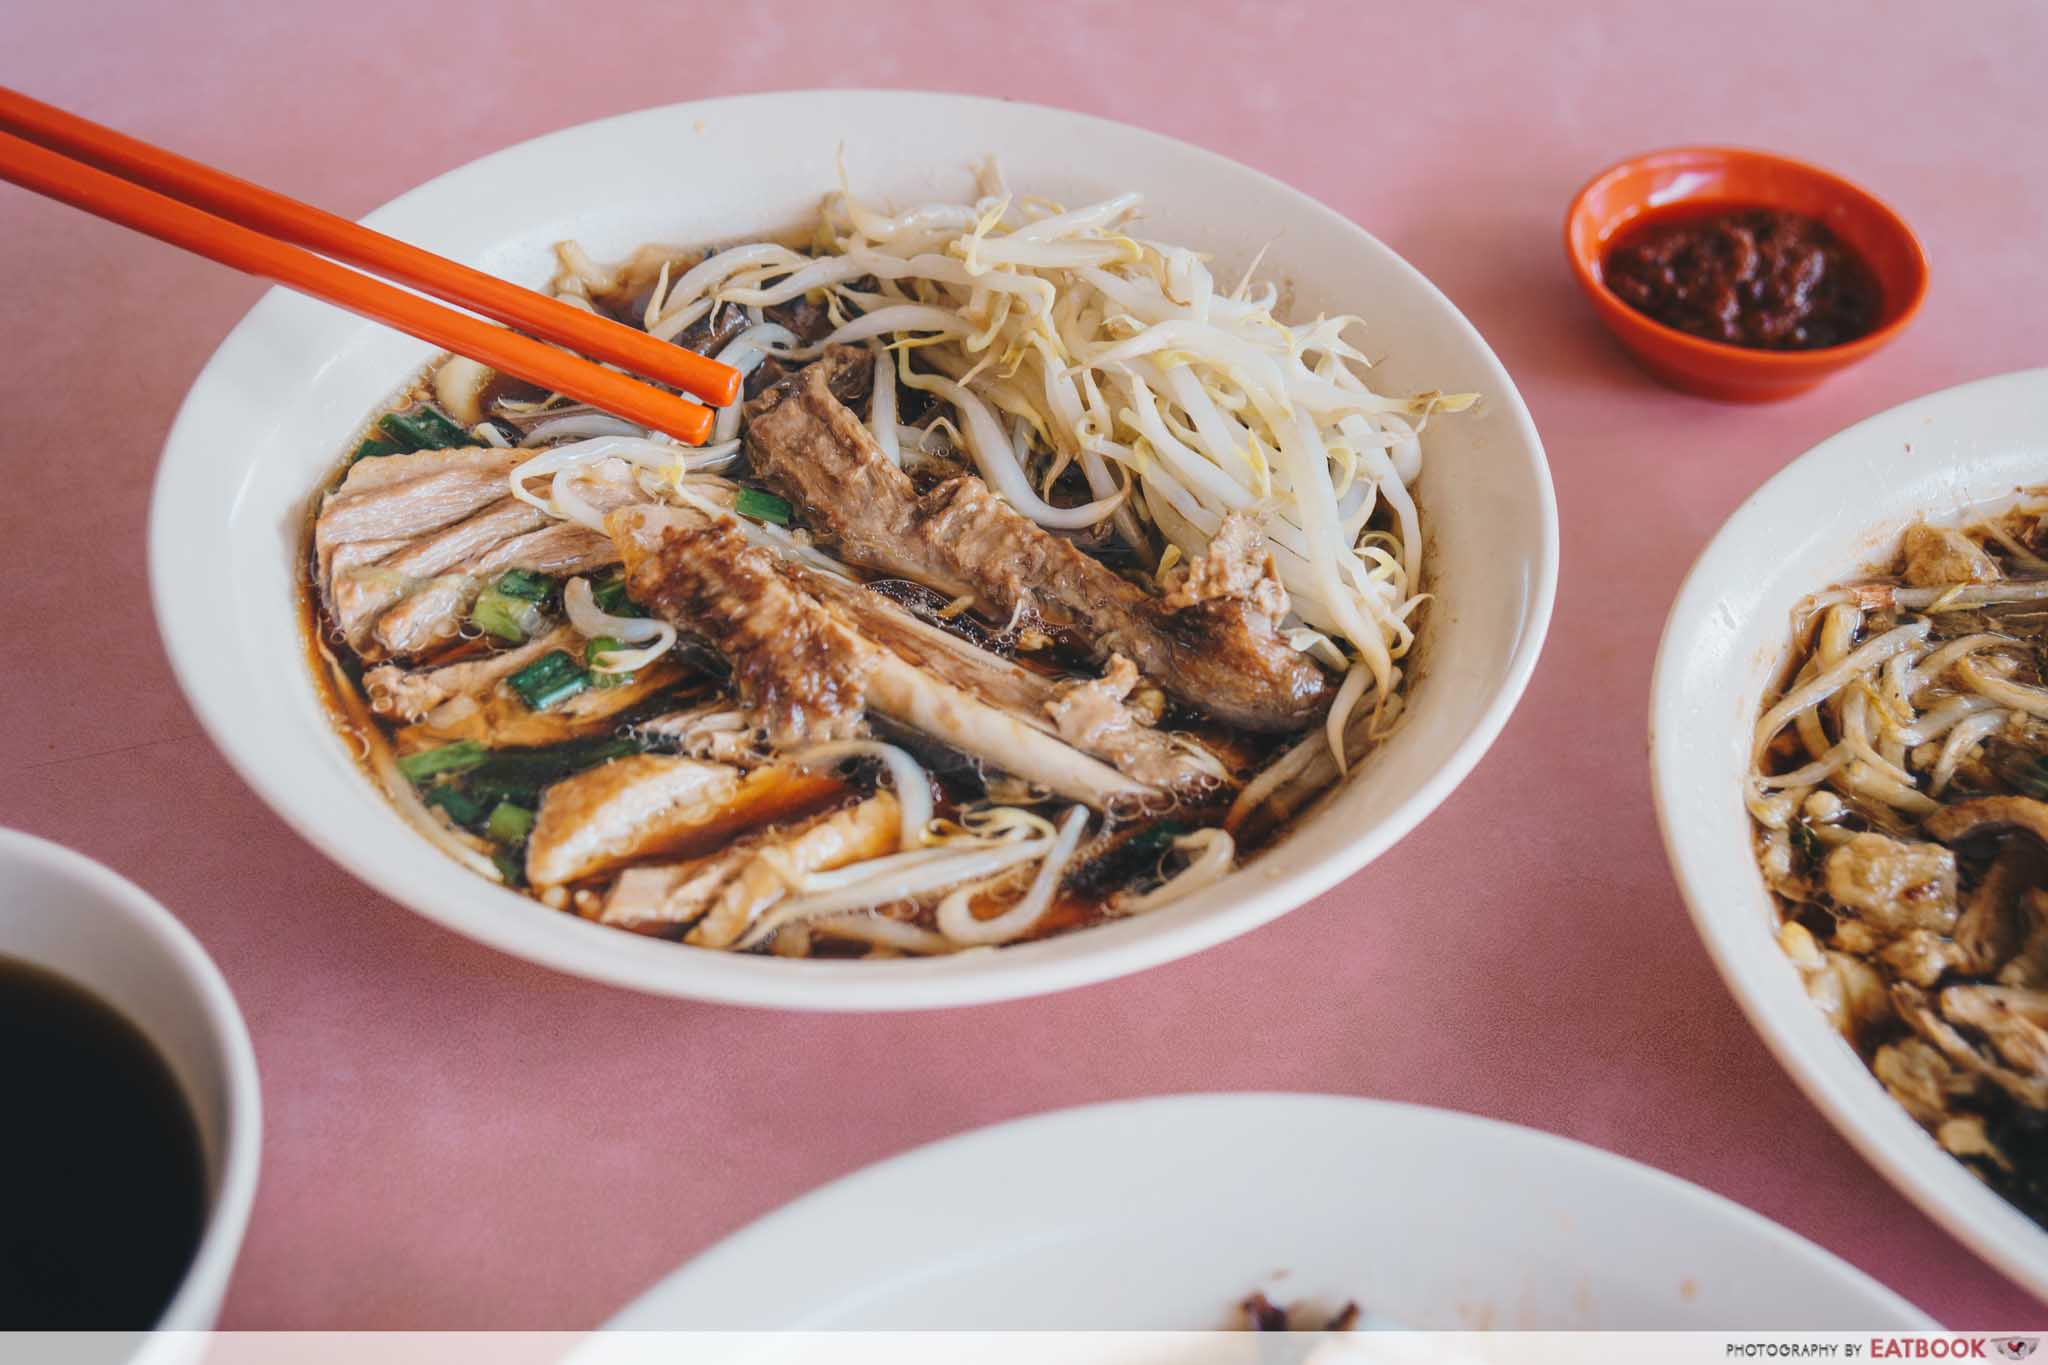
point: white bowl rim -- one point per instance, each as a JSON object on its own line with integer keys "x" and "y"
{"x": 205, "y": 1281}
{"x": 1938, "y": 1184}
{"x": 1190, "y": 1111}
{"x": 1031, "y": 969}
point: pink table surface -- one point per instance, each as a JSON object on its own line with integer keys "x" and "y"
{"x": 454, "y": 1138}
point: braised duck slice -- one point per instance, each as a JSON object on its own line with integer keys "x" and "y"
{"x": 802, "y": 667}
{"x": 722, "y": 893}
{"x": 647, "y": 805}
{"x": 407, "y": 542}
{"x": 1221, "y": 654}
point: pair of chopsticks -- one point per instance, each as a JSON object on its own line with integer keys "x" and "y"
{"x": 256, "y": 230}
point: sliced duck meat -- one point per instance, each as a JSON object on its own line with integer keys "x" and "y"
{"x": 407, "y": 542}
{"x": 1921, "y": 1079}
{"x": 432, "y": 612}
{"x": 1095, "y": 718}
{"x": 867, "y": 830}
{"x": 803, "y": 667}
{"x": 1122, "y": 736}
{"x": 648, "y": 805}
{"x": 610, "y": 813}
{"x": 405, "y": 496}
{"x": 362, "y": 590}
{"x": 2011, "y": 1030}
{"x": 722, "y": 893}
{"x": 2012, "y": 1019}
{"x": 795, "y": 664}
{"x": 1220, "y": 655}
{"x": 1994, "y": 923}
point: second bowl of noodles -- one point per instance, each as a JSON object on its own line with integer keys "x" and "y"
{"x": 1849, "y": 739}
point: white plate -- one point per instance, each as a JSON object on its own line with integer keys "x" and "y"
{"x": 266, "y": 419}
{"x": 1824, "y": 518}
{"x": 1162, "y": 1214}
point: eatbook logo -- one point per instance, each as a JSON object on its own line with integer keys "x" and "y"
{"x": 2015, "y": 1348}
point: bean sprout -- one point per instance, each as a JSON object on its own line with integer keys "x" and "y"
{"x": 913, "y": 788}
{"x": 1215, "y": 853}
{"x": 956, "y": 915}
{"x": 592, "y": 622}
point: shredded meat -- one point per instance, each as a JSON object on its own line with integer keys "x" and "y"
{"x": 1894, "y": 886}
{"x": 1937, "y": 556}
{"x": 1237, "y": 565}
{"x": 1920, "y": 1078}
{"x": 1087, "y": 711}
{"x": 1221, "y": 655}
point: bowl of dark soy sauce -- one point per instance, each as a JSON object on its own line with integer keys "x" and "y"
{"x": 130, "y": 1132}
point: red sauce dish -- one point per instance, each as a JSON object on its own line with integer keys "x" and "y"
{"x": 1853, "y": 236}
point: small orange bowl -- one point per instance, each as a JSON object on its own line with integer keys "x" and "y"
{"x": 1737, "y": 178}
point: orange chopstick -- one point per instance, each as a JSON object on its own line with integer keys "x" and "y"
{"x": 106, "y": 196}
{"x": 287, "y": 219}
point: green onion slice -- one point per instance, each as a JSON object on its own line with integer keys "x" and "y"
{"x": 509, "y": 824}
{"x": 752, "y": 502}
{"x": 458, "y": 757}
{"x": 549, "y": 679}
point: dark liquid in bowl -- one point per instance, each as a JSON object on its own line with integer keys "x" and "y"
{"x": 102, "y": 1186}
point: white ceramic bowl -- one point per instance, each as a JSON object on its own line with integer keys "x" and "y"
{"x": 67, "y": 914}
{"x": 1112, "y": 1217}
{"x": 267, "y": 416}
{"x": 1826, "y": 517}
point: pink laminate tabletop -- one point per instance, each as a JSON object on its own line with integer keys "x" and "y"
{"x": 457, "y": 1139}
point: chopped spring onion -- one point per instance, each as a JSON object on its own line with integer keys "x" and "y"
{"x": 531, "y": 586}
{"x": 458, "y": 757}
{"x": 462, "y": 808}
{"x": 509, "y": 617}
{"x": 372, "y": 448}
{"x": 509, "y": 824}
{"x": 510, "y": 868}
{"x": 611, "y": 598}
{"x": 752, "y": 502}
{"x": 551, "y": 678}
{"x": 1157, "y": 836}
{"x": 520, "y": 775}
{"x": 595, "y": 652}
{"x": 424, "y": 429}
